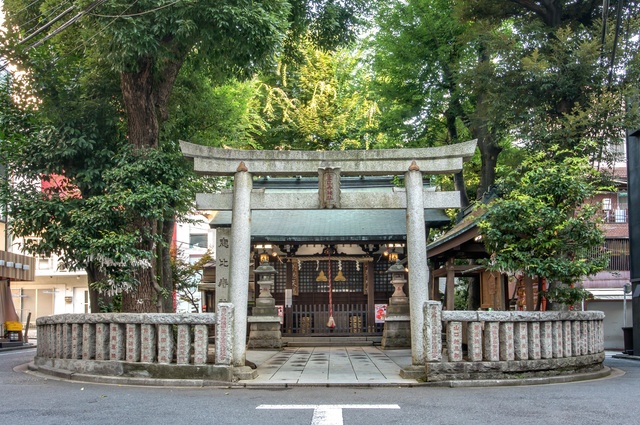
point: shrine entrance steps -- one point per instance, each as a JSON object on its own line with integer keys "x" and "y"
{"x": 331, "y": 341}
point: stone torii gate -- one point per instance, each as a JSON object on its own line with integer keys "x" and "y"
{"x": 329, "y": 166}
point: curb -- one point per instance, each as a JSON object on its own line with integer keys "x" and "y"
{"x": 562, "y": 379}
{"x": 22, "y": 347}
{"x": 48, "y": 373}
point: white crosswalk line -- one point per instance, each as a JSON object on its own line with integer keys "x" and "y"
{"x": 326, "y": 414}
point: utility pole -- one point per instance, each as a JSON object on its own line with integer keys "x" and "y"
{"x": 633, "y": 176}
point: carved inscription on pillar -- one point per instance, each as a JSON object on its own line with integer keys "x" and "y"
{"x": 474, "y": 341}
{"x": 507, "y": 349}
{"x": 454, "y": 341}
{"x": 329, "y": 187}
{"x": 223, "y": 242}
{"x": 433, "y": 331}
{"x": 557, "y": 348}
{"x": 535, "y": 348}
{"x": 224, "y": 334}
{"x": 491, "y": 335}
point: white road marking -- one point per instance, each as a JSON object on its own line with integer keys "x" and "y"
{"x": 327, "y": 414}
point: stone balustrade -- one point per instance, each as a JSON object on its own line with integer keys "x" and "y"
{"x": 156, "y": 345}
{"x": 507, "y": 344}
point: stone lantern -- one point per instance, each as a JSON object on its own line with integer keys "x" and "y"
{"x": 397, "y": 280}
{"x": 397, "y": 324}
{"x": 264, "y": 322}
{"x": 265, "y": 273}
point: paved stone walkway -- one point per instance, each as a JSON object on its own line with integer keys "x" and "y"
{"x": 330, "y": 365}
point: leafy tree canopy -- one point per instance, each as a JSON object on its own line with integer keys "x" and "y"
{"x": 541, "y": 224}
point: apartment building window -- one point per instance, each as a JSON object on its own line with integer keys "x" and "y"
{"x": 198, "y": 240}
{"x": 623, "y": 200}
{"x": 44, "y": 263}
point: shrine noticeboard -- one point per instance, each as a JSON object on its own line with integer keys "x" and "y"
{"x": 490, "y": 291}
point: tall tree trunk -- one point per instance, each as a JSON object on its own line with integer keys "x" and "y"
{"x": 143, "y": 298}
{"x": 140, "y": 103}
{"x": 451, "y": 115}
{"x": 473, "y": 297}
{"x": 487, "y": 143}
{"x": 96, "y": 299}
{"x": 145, "y": 97}
{"x": 167, "y": 274}
{"x": 489, "y": 151}
{"x": 453, "y": 112}
{"x": 458, "y": 182}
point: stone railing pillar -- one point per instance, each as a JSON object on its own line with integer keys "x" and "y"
{"x": 520, "y": 341}
{"x": 567, "y": 342}
{"x": 133, "y": 342}
{"x": 474, "y": 341}
{"x": 76, "y": 341}
{"x": 184, "y": 344}
{"x": 533, "y": 335}
{"x": 546, "y": 340}
{"x": 148, "y": 343}
{"x": 102, "y": 341}
{"x": 117, "y": 341}
{"x": 506, "y": 341}
{"x": 67, "y": 338}
{"x": 433, "y": 331}
{"x": 88, "y": 341}
{"x": 576, "y": 338}
{"x": 165, "y": 344}
{"x": 557, "y": 343}
{"x": 492, "y": 341}
{"x": 454, "y": 341}
{"x": 59, "y": 341}
{"x": 224, "y": 334}
{"x": 200, "y": 344}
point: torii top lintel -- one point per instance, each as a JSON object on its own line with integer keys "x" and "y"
{"x": 225, "y": 162}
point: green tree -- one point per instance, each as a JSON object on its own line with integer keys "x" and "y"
{"x": 542, "y": 223}
{"x": 126, "y": 58}
{"x": 142, "y": 48}
{"x": 187, "y": 276}
{"x": 535, "y": 72}
{"x": 562, "y": 82}
{"x": 96, "y": 186}
{"x": 321, "y": 103}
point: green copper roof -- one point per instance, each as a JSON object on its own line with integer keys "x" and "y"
{"x": 329, "y": 225}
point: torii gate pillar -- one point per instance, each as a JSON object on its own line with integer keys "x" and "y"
{"x": 240, "y": 260}
{"x": 417, "y": 260}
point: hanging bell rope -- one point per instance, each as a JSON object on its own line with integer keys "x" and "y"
{"x": 330, "y": 323}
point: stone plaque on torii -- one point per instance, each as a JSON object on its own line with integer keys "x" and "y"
{"x": 328, "y": 166}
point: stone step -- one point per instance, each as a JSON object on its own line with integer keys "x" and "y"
{"x": 331, "y": 341}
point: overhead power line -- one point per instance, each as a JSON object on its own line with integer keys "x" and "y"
{"x": 63, "y": 26}
{"x": 105, "y": 26}
{"x": 146, "y": 12}
{"x": 42, "y": 18}
{"x": 28, "y": 6}
{"x": 47, "y": 25}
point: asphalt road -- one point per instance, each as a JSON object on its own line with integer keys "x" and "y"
{"x": 28, "y": 399}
